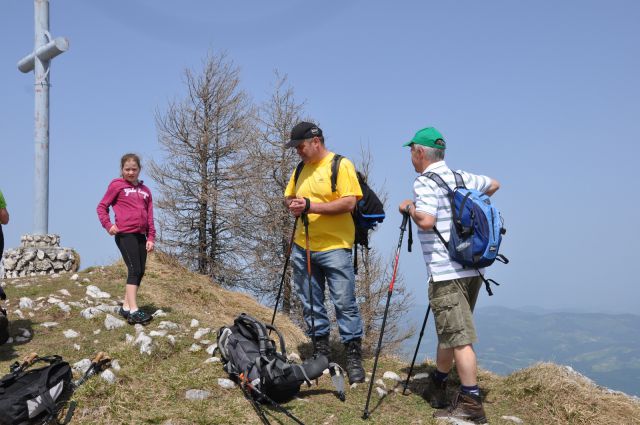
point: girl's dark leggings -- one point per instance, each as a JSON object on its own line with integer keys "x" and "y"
{"x": 133, "y": 248}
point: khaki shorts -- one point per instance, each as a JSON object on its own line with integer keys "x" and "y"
{"x": 452, "y": 303}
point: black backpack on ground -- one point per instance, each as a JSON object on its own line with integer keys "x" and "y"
{"x": 250, "y": 356}
{"x": 4, "y": 321}
{"x": 34, "y": 396}
{"x": 369, "y": 209}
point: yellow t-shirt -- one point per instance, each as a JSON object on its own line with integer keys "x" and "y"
{"x": 326, "y": 232}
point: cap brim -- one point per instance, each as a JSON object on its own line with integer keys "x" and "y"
{"x": 408, "y": 143}
{"x": 293, "y": 143}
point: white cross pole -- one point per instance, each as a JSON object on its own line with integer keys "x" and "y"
{"x": 39, "y": 61}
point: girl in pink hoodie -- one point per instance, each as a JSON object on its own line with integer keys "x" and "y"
{"x": 133, "y": 229}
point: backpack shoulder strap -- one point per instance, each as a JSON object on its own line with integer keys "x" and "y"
{"x": 260, "y": 329}
{"x": 335, "y": 166}
{"x": 459, "y": 180}
{"x": 441, "y": 183}
{"x": 299, "y": 168}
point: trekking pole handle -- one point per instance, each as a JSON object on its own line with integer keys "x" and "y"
{"x": 405, "y": 217}
{"x": 29, "y": 359}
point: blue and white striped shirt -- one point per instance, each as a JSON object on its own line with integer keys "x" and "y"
{"x": 432, "y": 200}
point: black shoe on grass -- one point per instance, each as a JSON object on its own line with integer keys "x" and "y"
{"x": 139, "y": 317}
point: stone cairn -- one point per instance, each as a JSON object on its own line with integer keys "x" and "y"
{"x": 39, "y": 255}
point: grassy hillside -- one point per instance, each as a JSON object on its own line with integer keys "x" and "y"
{"x": 150, "y": 388}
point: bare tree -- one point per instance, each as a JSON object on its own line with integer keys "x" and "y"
{"x": 373, "y": 279}
{"x": 270, "y": 225}
{"x": 201, "y": 137}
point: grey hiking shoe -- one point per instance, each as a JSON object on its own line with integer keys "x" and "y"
{"x": 323, "y": 347}
{"x": 467, "y": 407}
{"x": 436, "y": 393}
{"x": 139, "y": 317}
{"x": 354, "y": 361}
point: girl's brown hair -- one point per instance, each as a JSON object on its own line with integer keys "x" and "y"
{"x": 127, "y": 157}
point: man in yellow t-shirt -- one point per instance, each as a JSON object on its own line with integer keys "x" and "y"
{"x": 331, "y": 236}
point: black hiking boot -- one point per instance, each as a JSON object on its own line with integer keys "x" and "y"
{"x": 436, "y": 393}
{"x": 124, "y": 313}
{"x": 139, "y": 317}
{"x": 467, "y": 407}
{"x": 354, "y": 361}
{"x": 323, "y": 347}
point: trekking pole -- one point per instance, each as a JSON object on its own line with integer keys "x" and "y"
{"x": 271, "y": 401}
{"x": 284, "y": 272}
{"x": 403, "y": 226}
{"x": 256, "y": 406}
{"x": 305, "y": 221}
{"x": 424, "y": 324}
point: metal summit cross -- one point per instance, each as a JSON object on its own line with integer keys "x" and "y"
{"x": 45, "y": 49}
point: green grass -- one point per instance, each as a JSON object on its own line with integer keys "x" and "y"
{"x": 150, "y": 389}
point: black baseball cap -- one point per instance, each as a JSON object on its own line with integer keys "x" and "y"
{"x": 301, "y": 131}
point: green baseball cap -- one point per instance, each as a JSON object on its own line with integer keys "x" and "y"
{"x": 428, "y": 137}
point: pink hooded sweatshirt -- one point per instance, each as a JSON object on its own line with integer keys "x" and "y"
{"x": 132, "y": 205}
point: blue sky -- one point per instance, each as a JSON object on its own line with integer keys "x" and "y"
{"x": 542, "y": 96}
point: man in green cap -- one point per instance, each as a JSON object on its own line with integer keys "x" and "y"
{"x": 453, "y": 289}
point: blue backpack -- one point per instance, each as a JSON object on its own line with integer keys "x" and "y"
{"x": 476, "y": 227}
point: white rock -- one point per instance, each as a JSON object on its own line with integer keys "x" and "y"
{"x": 138, "y": 328}
{"x": 70, "y": 333}
{"x": 201, "y": 332}
{"x": 381, "y": 392}
{"x": 115, "y": 365}
{"x": 76, "y": 304}
{"x": 213, "y": 360}
{"x": 64, "y": 307}
{"x": 391, "y": 375}
{"x": 24, "y": 333}
{"x": 227, "y": 384}
{"x": 64, "y": 292}
{"x": 212, "y": 348}
{"x": 171, "y": 339}
{"x": 204, "y": 342}
{"x": 19, "y": 314}
{"x": 294, "y": 357}
{"x": 197, "y": 394}
{"x": 195, "y": 323}
{"x": 26, "y": 303}
{"x": 167, "y": 325}
{"x": 97, "y": 332}
{"x": 90, "y": 312}
{"x": 82, "y": 366}
{"x": 158, "y": 333}
{"x": 380, "y": 382}
{"x": 111, "y": 322}
{"x": 129, "y": 339}
{"x": 159, "y": 313}
{"x": 74, "y": 276}
{"x": 195, "y": 348}
{"x": 76, "y": 347}
{"x": 49, "y": 324}
{"x": 108, "y": 376}
{"x": 86, "y": 280}
{"x": 55, "y": 276}
{"x": 145, "y": 342}
{"x": 513, "y": 419}
{"x": 354, "y": 385}
{"x": 114, "y": 309}
{"x": 420, "y": 376}
{"x": 95, "y": 292}
{"x": 53, "y": 300}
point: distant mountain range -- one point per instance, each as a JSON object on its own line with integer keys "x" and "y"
{"x": 603, "y": 347}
